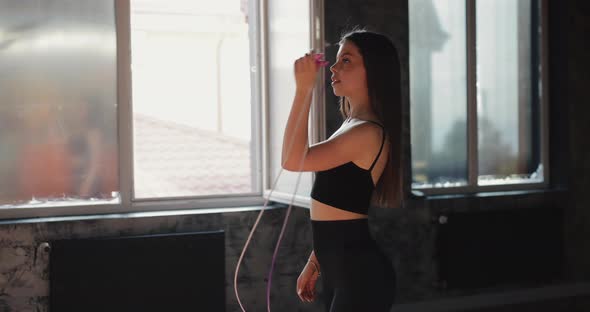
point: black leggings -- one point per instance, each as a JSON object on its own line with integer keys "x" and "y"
{"x": 356, "y": 275}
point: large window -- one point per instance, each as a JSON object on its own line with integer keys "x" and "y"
{"x": 192, "y": 100}
{"x": 113, "y": 106}
{"x": 58, "y": 89}
{"x": 477, "y": 106}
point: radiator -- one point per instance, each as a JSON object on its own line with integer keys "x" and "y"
{"x": 492, "y": 248}
{"x": 172, "y": 272}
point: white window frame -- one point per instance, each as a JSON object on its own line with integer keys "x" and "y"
{"x": 317, "y": 120}
{"x": 472, "y": 187}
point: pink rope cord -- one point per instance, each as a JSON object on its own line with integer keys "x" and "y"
{"x": 319, "y": 59}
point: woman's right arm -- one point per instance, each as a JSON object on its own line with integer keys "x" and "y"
{"x": 297, "y": 154}
{"x": 295, "y": 138}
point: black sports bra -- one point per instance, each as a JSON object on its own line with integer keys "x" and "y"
{"x": 348, "y": 186}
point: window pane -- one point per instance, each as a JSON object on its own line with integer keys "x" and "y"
{"x": 438, "y": 95}
{"x": 508, "y": 140}
{"x": 288, "y": 39}
{"x": 191, "y": 98}
{"x": 58, "y": 135}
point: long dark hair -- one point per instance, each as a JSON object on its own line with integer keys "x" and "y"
{"x": 382, "y": 67}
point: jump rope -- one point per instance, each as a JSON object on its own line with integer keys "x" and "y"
{"x": 319, "y": 59}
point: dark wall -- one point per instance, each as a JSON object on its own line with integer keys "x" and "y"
{"x": 24, "y": 270}
{"x": 570, "y": 64}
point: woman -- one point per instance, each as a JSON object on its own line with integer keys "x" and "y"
{"x": 357, "y": 166}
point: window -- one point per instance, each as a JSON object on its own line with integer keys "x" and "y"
{"x": 146, "y": 105}
{"x": 58, "y": 129}
{"x": 289, "y": 36}
{"x": 478, "y": 110}
{"x": 191, "y": 98}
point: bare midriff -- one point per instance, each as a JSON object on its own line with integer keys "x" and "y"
{"x": 323, "y": 212}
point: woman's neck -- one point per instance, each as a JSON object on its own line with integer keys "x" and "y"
{"x": 362, "y": 116}
{"x": 360, "y": 109}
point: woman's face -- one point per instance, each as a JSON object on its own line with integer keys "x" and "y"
{"x": 348, "y": 73}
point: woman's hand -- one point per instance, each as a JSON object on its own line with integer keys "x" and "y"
{"x": 306, "y": 70}
{"x": 307, "y": 281}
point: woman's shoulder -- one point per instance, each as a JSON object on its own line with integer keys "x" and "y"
{"x": 358, "y": 134}
{"x": 364, "y": 128}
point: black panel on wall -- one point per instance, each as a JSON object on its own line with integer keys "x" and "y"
{"x": 172, "y": 272}
{"x": 492, "y": 248}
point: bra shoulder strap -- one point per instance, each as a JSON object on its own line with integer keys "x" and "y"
{"x": 382, "y": 143}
